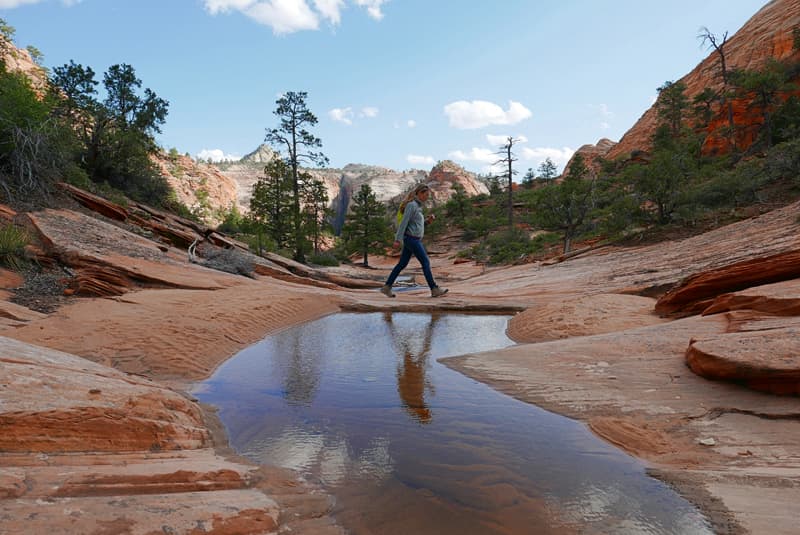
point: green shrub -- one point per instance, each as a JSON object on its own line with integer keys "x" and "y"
{"x": 12, "y": 246}
{"x": 76, "y": 176}
{"x": 323, "y": 259}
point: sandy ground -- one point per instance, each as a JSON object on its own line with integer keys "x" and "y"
{"x": 587, "y": 349}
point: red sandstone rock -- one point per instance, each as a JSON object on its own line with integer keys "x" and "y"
{"x": 592, "y": 155}
{"x": 766, "y": 360}
{"x": 188, "y": 179}
{"x": 96, "y": 203}
{"x": 7, "y": 214}
{"x": 111, "y": 256}
{"x": 696, "y": 293}
{"x": 447, "y": 173}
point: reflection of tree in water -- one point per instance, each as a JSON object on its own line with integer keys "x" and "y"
{"x": 300, "y": 369}
{"x": 413, "y": 348}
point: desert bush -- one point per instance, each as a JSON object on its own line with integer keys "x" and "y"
{"x": 13, "y": 240}
{"x": 324, "y": 259}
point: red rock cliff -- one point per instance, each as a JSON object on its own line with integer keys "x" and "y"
{"x": 768, "y": 34}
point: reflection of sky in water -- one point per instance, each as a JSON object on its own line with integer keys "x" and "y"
{"x": 359, "y": 401}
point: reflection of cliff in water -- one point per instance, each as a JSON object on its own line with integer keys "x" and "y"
{"x": 413, "y": 349}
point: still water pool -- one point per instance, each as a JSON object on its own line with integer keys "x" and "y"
{"x": 359, "y": 403}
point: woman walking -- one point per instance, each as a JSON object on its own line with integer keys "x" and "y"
{"x": 409, "y": 233}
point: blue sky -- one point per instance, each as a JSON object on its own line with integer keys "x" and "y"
{"x": 396, "y": 83}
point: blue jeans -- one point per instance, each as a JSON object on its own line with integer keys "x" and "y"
{"x": 412, "y": 245}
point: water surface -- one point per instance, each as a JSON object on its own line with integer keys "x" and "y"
{"x": 359, "y": 403}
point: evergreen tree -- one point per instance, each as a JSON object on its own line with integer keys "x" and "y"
{"x": 703, "y": 107}
{"x": 528, "y": 179}
{"x": 566, "y": 207}
{"x": 547, "y": 170}
{"x": 271, "y": 203}
{"x": 117, "y": 135}
{"x": 366, "y": 229}
{"x": 671, "y": 105}
{"x": 765, "y": 85}
{"x": 458, "y": 206}
{"x": 292, "y": 134}
{"x": 315, "y": 210}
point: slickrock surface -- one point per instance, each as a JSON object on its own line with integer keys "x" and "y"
{"x": 602, "y": 356}
{"x": 88, "y": 449}
{"x": 761, "y": 345}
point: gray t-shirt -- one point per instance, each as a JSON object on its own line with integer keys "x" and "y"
{"x": 413, "y": 222}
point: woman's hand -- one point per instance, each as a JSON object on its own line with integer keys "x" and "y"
{"x": 396, "y": 245}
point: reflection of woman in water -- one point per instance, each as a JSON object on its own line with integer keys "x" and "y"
{"x": 411, "y": 381}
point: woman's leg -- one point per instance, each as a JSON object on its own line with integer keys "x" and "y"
{"x": 419, "y": 251}
{"x": 405, "y": 256}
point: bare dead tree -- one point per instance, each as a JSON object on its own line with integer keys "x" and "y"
{"x": 508, "y": 159}
{"x": 718, "y": 45}
{"x": 32, "y": 164}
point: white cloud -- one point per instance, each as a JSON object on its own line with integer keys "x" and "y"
{"x": 415, "y": 159}
{"x": 283, "y": 16}
{"x": 330, "y": 9}
{"x": 604, "y": 125}
{"x": 480, "y": 113}
{"x": 216, "y": 155}
{"x": 369, "y": 112}
{"x": 497, "y": 141}
{"x": 224, "y": 6}
{"x": 538, "y": 155}
{"x": 373, "y": 7}
{"x": 342, "y": 115}
{"x": 475, "y": 154}
{"x": 411, "y": 123}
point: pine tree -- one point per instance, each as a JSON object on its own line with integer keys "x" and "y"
{"x": 366, "y": 229}
{"x": 271, "y": 202}
{"x": 292, "y": 134}
{"x": 315, "y": 209}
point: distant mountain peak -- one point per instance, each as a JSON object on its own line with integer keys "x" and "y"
{"x": 263, "y": 154}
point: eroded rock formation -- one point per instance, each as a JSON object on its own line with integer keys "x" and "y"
{"x": 768, "y": 34}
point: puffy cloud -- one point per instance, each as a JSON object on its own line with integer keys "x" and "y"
{"x": 416, "y": 159}
{"x": 330, "y": 9}
{"x": 342, "y": 115}
{"x": 466, "y": 115}
{"x": 538, "y": 155}
{"x": 475, "y": 155}
{"x": 373, "y": 7}
{"x": 216, "y": 155}
{"x": 285, "y": 16}
{"x": 369, "y": 112}
{"x": 604, "y": 125}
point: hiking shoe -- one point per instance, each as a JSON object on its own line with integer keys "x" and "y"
{"x": 387, "y": 291}
{"x": 438, "y": 292}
